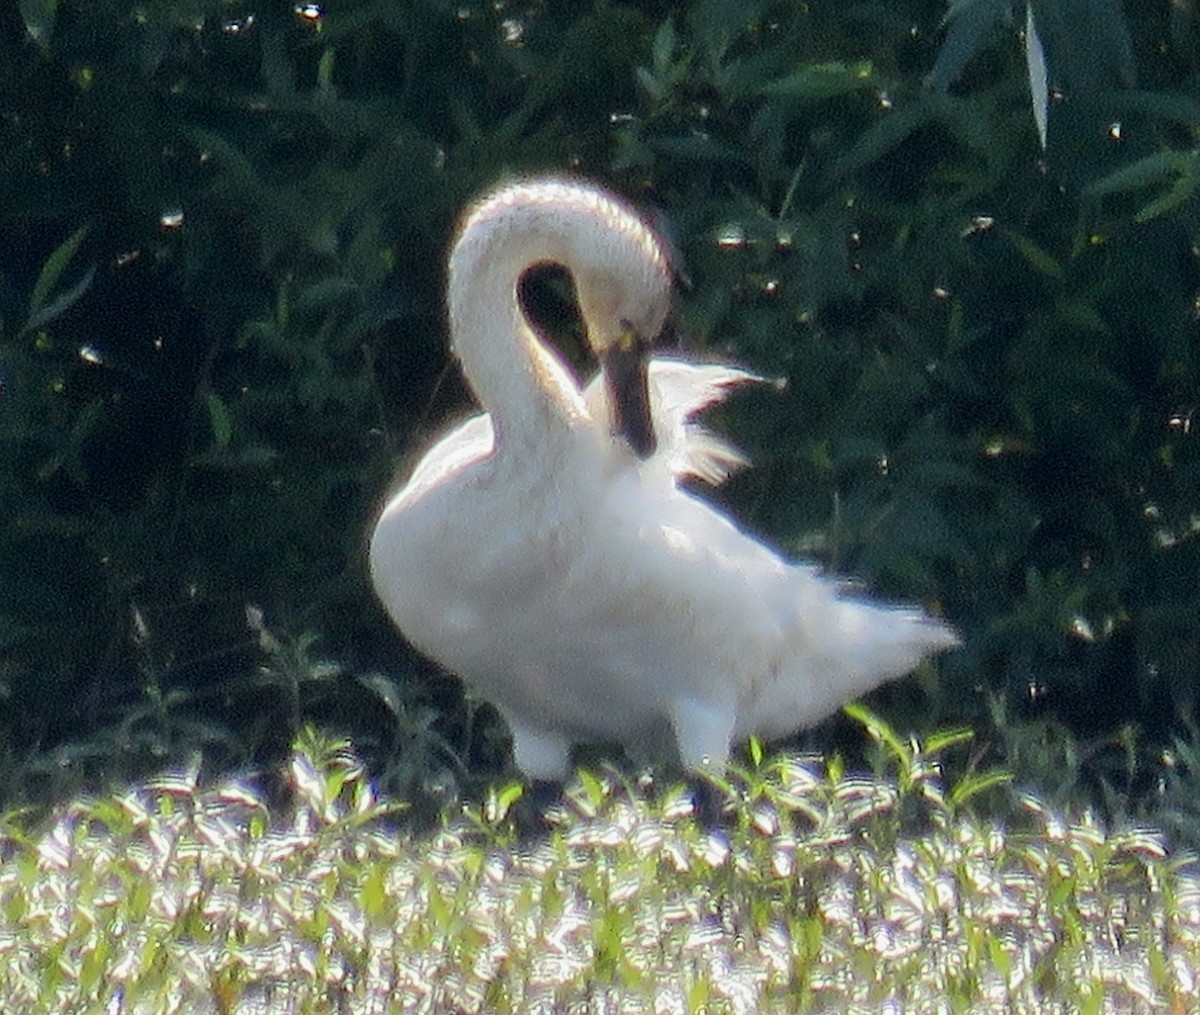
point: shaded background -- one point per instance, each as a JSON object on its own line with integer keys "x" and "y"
{"x": 223, "y": 228}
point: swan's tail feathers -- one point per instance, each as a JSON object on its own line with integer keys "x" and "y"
{"x": 883, "y": 643}
{"x": 852, "y": 651}
{"x": 679, "y": 390}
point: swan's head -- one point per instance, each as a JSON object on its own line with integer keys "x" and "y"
{"x": 624, "y": 315}
{"x": 624, "y": 288}
{"x": 626, "y": 366}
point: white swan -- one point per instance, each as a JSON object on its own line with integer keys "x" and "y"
{"x": 575, "y": 585}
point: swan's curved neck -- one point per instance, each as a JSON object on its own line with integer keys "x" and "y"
{"x": 526, "y": 388}
{"x": 524, "y": 385}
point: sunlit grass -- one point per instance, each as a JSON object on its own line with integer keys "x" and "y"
{"x": 817, "y": 892}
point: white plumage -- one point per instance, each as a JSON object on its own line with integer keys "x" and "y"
{"x": 577, "y": 586}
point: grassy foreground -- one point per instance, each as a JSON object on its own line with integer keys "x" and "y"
{"x": 820, "y": 892}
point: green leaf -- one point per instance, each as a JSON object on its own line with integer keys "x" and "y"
{"x": 222, "y": 424}
{"x": 593, "y": 788}
{"x": 823, "y": 80}
{"x": 890, "y": 131}
{"x": 1001, "y": 960}
{"x": 969, "y": 25}
{"x": 215, "y": 148}
{"x": 1086, "y": 43}
{"x": 1181, "y": 170}
{"x": 61, "y": 302}
{"x": 755, "y": 749}
{"x": 1164, "y": 105}
{"x": 1183, "y": 191}
{"x": 373, "y": 896}
{"x": 385, "y": 690}
{"x": 39, "y": 17}
{"x": 324, "y": 293}
{"x": 968, "y": 788}
{"x": 1039, "y": 259}
{"x": 52, "y": 270}
{"x": 941, "y": 740}
{"x": 651, "y": 85}
{"x": 835, "y": 769}
{"x": 884, "y": 735}
{"x": 325, "y": 74}
{"x": 715, "y": 24}
{"x": 663, "y": 48}
{"x": 1093, "y": 999}
{"x": 1156, "y": 169}
{"x": 1039, "y": 86}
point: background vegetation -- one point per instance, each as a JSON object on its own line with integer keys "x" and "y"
{"x": 223, "y": 226}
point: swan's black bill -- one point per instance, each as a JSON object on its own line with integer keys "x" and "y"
{"x": 626, "y": 374}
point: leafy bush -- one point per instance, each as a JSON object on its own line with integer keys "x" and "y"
{"x": 221, "y": 322}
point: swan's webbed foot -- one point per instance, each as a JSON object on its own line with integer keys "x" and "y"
{"x": 710, "y": 801}
{"x": 531, "y": 812}
{"x": 542, "y": 795}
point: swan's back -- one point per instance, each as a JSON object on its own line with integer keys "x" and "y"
{"x": 777, "y": 641}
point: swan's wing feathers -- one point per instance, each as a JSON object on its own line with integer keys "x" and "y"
{"x": 679, "y": 390}
{"x": 787, "y": 644}
{"x": 470, "y": 441}
{"x": 705, "y": 455}
{"x": 684, "y": 388}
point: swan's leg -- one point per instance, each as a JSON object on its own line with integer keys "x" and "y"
{"x": 544, "y": 759}
{"x": 540, "y": 754}
{"x": 703, "y": 732}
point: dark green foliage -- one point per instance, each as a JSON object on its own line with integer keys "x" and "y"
{"x": 220, "y": 322}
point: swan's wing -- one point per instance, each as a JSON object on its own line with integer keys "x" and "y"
{"x": 678, "y": 391}
{"x": 730, "y": 638}
{"x": 468, "y": 442}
